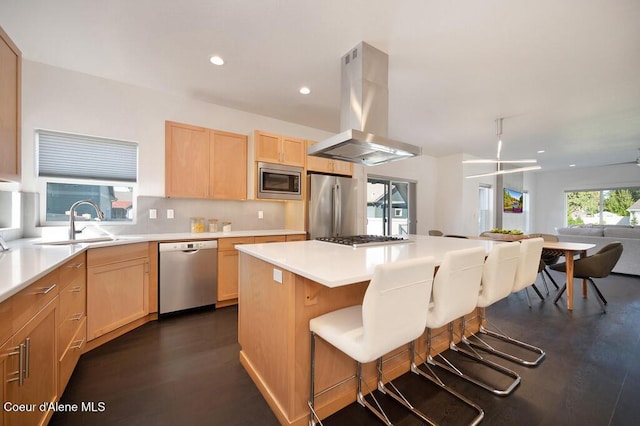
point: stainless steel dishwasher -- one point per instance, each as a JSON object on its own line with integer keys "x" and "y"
{"x": 188, "y": 275}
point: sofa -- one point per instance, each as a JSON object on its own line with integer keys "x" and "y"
{"x": 601, "y": 235}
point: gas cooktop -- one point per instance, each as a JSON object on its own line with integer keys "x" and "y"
{"x": 364, "y": 240}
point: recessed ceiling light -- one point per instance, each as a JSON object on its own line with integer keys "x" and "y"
{"x": 305, "y": 90}
{"x": 541, "y": 151}
{"x": 216, "y": 60}
{"x": 572, "y": 165}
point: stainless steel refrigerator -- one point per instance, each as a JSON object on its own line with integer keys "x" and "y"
{"x": 332, "y": 209}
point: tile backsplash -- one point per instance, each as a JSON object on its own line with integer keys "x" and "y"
{"x": 242, "y": 214}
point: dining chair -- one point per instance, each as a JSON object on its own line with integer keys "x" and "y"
{"x": 393, "y": 313}
{"x": 598, "y": 265}
{"x": 546, "y": 260}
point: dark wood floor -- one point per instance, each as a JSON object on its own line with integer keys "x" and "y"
{"x": 184, "y": 370}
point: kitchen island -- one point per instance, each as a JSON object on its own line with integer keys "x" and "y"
{"x": 283, "y": 285}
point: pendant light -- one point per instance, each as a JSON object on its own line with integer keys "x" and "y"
{"x": 498, "y": 162}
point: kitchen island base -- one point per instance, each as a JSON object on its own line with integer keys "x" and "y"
{"x": 275, "y": 306}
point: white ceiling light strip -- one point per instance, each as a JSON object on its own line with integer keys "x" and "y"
{"x": 499, "y": 162}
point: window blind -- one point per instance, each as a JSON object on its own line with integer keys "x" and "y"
{"x": 86, "y": 157}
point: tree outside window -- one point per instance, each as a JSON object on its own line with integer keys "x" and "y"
{"x": 602, "y": 207}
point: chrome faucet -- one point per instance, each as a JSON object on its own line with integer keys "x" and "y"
{"x": 72, "y": 215}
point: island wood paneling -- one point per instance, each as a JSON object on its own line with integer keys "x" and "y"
{"x": 273, "y": 331}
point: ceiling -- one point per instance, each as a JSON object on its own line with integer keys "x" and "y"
{"x": 565, "y": 75}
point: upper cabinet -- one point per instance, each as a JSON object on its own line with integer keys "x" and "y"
{"x": 204, "y": 163}
{"x": 10, "y": 70}
{"x": 186, "y": 161}
{"x": 326, "y": 165}
{"x": 272, "y": 148}
{"x": 229, "y": 165}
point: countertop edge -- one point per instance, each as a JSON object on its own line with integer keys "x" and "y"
{"x": 59, "y": 254}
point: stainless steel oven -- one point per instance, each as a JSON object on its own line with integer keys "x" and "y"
{"x": 279, "y": 182}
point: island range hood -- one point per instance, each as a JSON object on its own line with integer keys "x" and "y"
{"x": 364, "y": 111}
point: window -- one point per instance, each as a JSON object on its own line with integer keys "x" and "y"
{"x": 75, "y": 167}
{"x": 485, "y": 209}
{"x": 618, "y": 206}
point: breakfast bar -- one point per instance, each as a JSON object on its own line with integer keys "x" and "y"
{"x": 283, "y": 285}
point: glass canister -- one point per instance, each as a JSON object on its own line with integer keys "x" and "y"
{"x": 226, "y": 226}
{"x": 197, "y": 224}
{"x": 213, "y": 225}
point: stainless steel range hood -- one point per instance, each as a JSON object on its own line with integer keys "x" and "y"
{"x": 364, "y": 113}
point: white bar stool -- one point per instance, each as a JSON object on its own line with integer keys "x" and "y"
{"x": 455, "y": 294}
{"x": 393, "y": 313}
{"x": 498, "y": 275}
{"x": 528, "y": 261}
{"x": 530, "y": 255}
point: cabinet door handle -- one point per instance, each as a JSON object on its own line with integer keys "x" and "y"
{"x": 76, "y": 265}
{"x": 20, "y": 353}
{"x": 46, "y": 290}
{"x": 78, "y": 345}
{"x": 76, "y": 289}
{"x": 76, "y": 317}
{"x": 27, "y": 344}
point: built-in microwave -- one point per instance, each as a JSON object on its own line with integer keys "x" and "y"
{"x": 279, "y": 182}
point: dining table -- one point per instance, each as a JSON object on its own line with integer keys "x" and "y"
{"x": 568, "y": 250}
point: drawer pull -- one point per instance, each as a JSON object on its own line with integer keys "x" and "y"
{"x": 76, "y": 265}
{"x": 76, "y": 289}
{"x": 77, "y": 345}
{"x": 46, "y": 290}
{"x": 20, "y": 378}
{"x": 76, "y": 317}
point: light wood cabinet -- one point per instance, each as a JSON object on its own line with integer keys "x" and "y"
{"x": 10, "y": 71}
{"x": 186, "y": 161}
{"x": 29, "y": 373}
{"x": 228, "y": 175}
{"x": 117, "y": 287}
{"x": 204, "y": 163}
{"x": 296, "y": 237}
{"x": 228, "y": 268}
{"x": 28, "y": 333}
{"x": 228, "y": 263}
{"x": 273, "y": 148}
{"x": 72, "y": 313}
{"x": 326, "y": 165}
{"x": 270, "y": 239}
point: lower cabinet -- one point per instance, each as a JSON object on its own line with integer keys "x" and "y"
{"x": 117, "y": 287}
{"x": 72, "y": 317}
{"x": 228, "y": 263}
{"x": 29, "y": 364}
{"x": 71, "y": 355}
{"x": 228, "y": 268}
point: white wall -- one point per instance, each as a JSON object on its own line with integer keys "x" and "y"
{"x": 62, "y": 100}
{"x": 550, "y": 187}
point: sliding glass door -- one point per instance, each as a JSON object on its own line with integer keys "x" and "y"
{"x": 390, "y": 207}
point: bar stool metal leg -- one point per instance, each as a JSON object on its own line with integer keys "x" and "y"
{"x": 484, "y": 346}
{"x": 447, "y": 365}
{"x": 433, "y": 378}
{"x": 312, "y": 412}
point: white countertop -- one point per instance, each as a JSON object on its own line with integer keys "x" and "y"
{"x": 26, "y": 262}
{"x": 335, "y": 265}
